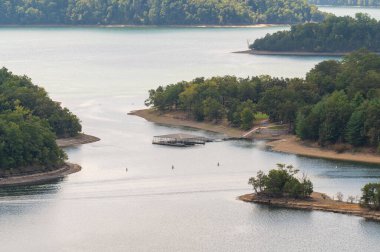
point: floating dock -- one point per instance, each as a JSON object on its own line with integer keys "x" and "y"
{"x": 180, "y": 140}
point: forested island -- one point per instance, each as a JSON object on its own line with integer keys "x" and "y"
{"x": 333, "y": 35}
{"x": 337, "y": 105}
{"x": 282, "y": 187}
{"x": 157, "y": 12}
{"x": 30, "y": 122}
{"x": 346, "y": 2}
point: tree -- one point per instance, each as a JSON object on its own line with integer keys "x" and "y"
{"x": 334, "y": 34}
{"x": 247, "y": 118}
{"x": 258, "y": 182}
{"x": 213, "y": 110}
{"x": 371, "y": 196}
{"x": 351, "y": 199}
{"x": 281, "y": 182}
{"x": 339, "y": 196}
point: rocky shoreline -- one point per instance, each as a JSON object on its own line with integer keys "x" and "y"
{"x": 37, "y": 178}
{"x": 318, "y": 202}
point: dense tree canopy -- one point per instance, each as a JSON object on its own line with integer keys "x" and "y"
{"x": 349, "y": 109}
{"x": 29, "y": 124}
{"x": 337, "y": 102}
{"x": 371, "y": 196}
{"x": 157, "y": 12}
{"x": 281, "y": 182}
{"x": 27, "y": 143}
{"x": 334, "y": 34}
{"x": 20, "y": 91}
{"x": 346, "y": 2}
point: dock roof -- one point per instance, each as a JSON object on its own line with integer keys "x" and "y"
{"x": 181, "y": 136}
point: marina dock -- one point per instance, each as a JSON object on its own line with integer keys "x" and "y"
{"x": 180, "y": 140}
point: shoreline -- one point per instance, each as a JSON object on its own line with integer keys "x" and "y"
{"x": 81, "y": 138}
{"x": 290, "y": 144}
{"x": 281, "y": 143}
{"x": 317, "y": 202}
{"x": 66, "y": 169}
{"x": 37, "y": 178}
{"x": 290, "y": 53}
{"x": 173, "y": 119}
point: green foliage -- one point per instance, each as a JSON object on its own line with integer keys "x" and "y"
{"x": 212, "y": 109}
{"x": 20, "y": 91}
{"x": 25, "y": 140}
{"x": 236, "y": 99}
{"x": 334, "y": 34}
{"x": 371, "y": 196}
{"x": 157, "y": 12}
{"x": 351, "y": 112}
{"x": 338, "y": 102}
{"x": 29, "y": 124}
{"x": 346, "y": 2}
{"x": 261, "y": 116}
{"x": 281, "y": 182}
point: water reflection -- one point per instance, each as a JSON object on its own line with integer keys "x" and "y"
{"x": 50, "y": 187}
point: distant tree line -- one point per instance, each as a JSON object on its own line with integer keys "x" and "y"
{"x": 29, "y": 124}
{"x": 337, "y": 103}
{"x": 334, "y": 34}
{"x": 346, "y": 2}
{"x": 157, "y": 12}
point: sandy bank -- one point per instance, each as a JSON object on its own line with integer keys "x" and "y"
{"x": 37, "y": 178}
{"x": 177, "y": 119}
{"x": 78, "y": 140}
{"x": 316, "y": 202}
{"x": 290, "y": 144}
{"x": 281, "y": 143}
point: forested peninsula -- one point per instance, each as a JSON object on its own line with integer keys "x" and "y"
{"x": 333, "y": 35}
{"x": 156, "y": 12}
{"x": 30, "y": 122}
{"x": 337, "y": 105}
{"x": 346, "y": 2}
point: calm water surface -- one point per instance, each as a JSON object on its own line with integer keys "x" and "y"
{"x": 101, "y": 74}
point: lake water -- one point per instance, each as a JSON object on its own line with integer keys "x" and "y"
{"x": 103, "y": 73}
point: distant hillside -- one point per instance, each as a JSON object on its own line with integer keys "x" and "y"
{"x": 346, "y": 2}
{"x": 335, "y": 34}
{"x": 156, "y": 12}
